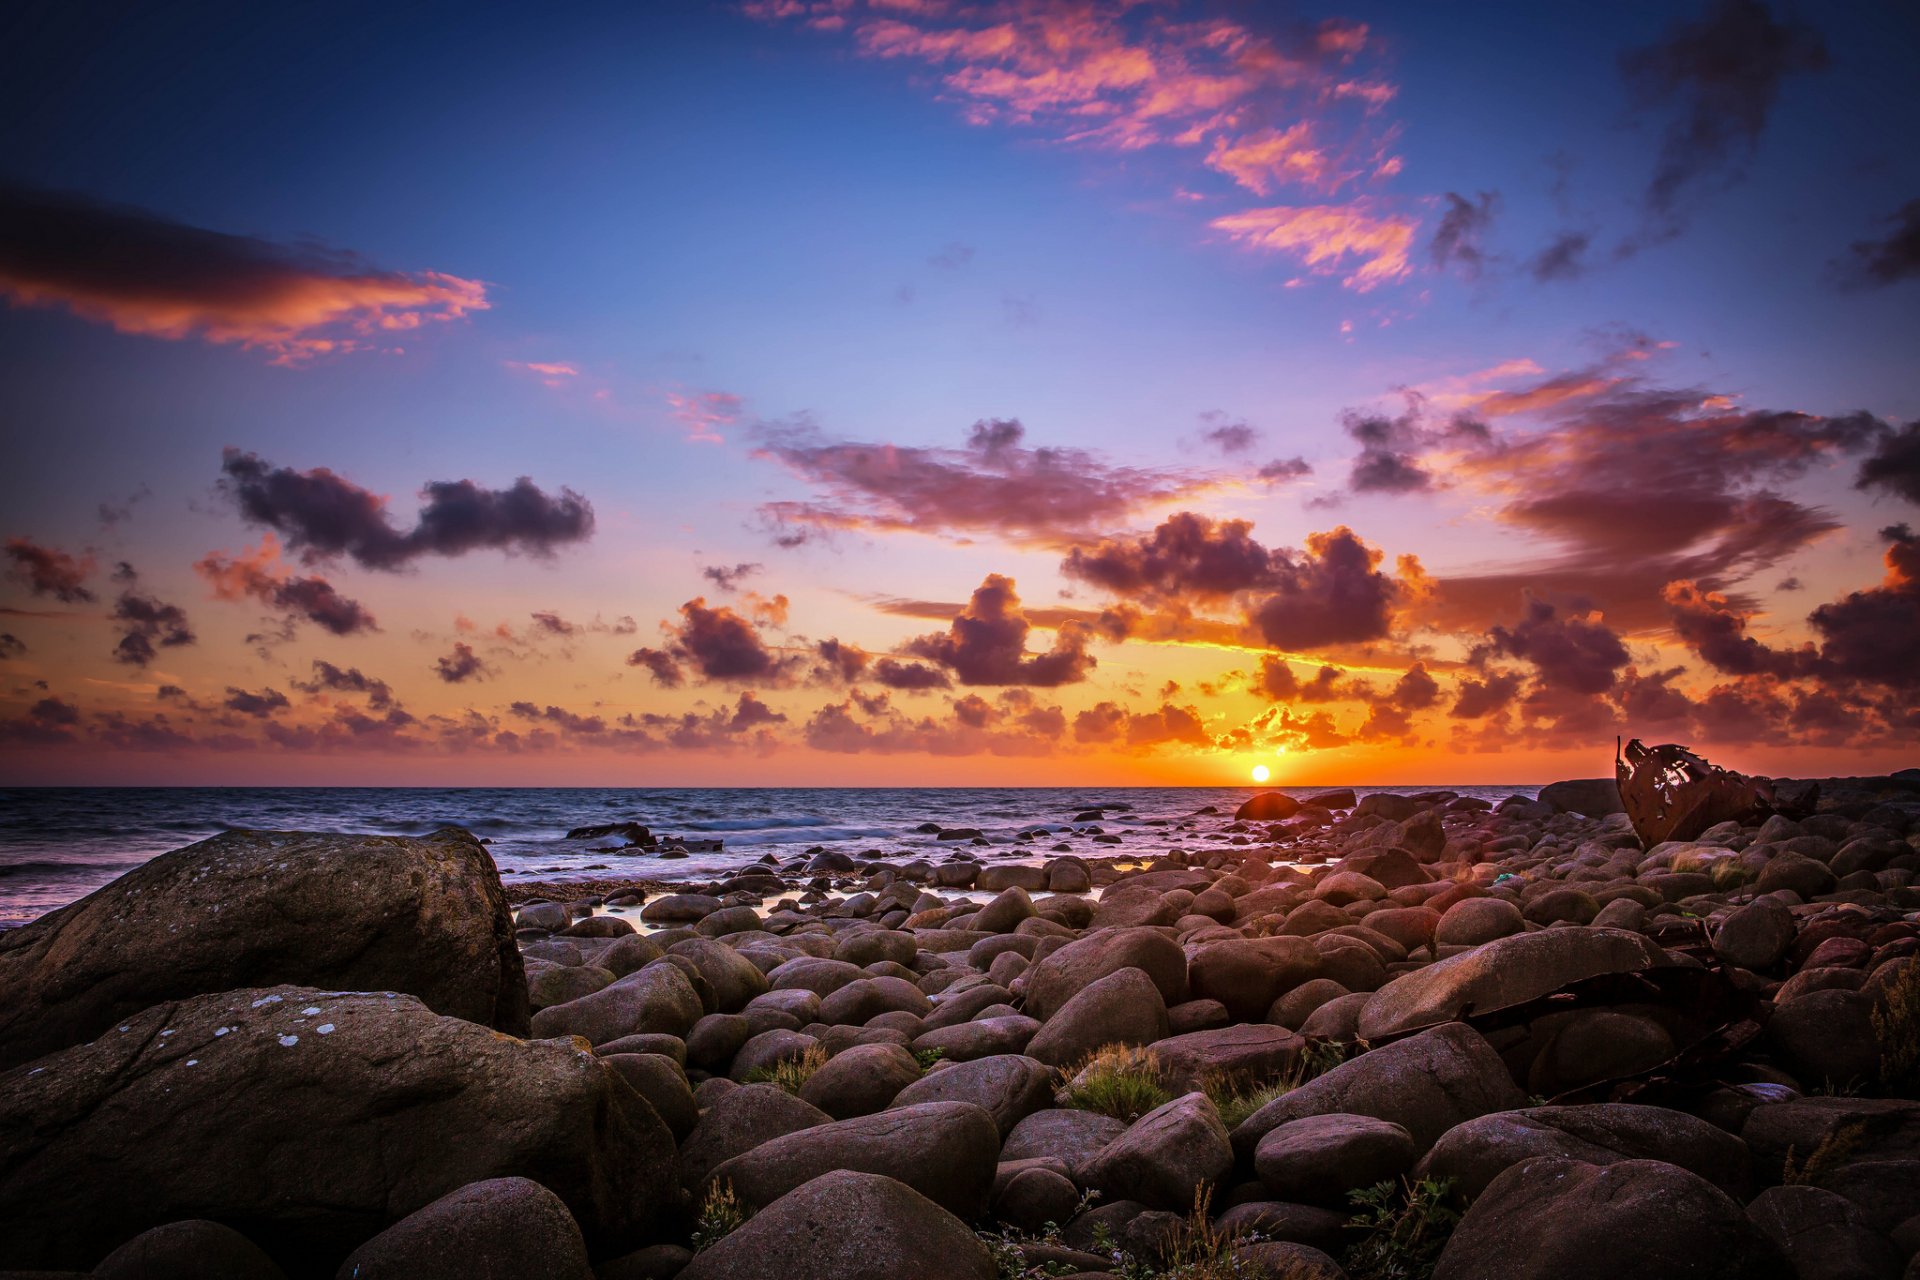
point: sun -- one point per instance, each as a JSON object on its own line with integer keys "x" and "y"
{"x": 1261, "y": 773}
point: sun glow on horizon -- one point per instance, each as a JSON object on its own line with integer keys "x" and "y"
{"x": 1261, "y": 773}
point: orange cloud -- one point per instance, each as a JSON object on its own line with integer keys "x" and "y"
{"x": 552, "y": 374}
{"x": 143, "y": 274}
{"x": 1326, "y": 237}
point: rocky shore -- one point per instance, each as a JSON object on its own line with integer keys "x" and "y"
{"x": 1405, "y": 1036}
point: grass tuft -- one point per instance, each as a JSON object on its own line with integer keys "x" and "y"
{"x": 1237, "y": 1095}
{"x": 1833, "y": 1152}
{"x": 1896, "y": 1029}
{"x": 720, "y": 1213}
{"x": 1406, "y": 1224}
{"x": 1121, "y": 1081}
{"x": 793, "y": 1072}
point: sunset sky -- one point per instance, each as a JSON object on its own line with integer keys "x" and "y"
{"x": 917, "y": 392}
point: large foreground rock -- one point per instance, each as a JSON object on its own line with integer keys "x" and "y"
{"x": 1475, "y": 1153}
{"x": 1165, "y": 1156}
{"x": 500, "y": 1227}
{"x": 947, "y": 1151}
{"x": 1556, "y": 1219}
{"x": 1426, "y": 1084}
{"x": 1503, "y": 973}
{"x": 259, "y": 908}
{"x": 309, "y": 1121}
{"x": 1062, "y": 975}
{"x": 846, "y": 1225}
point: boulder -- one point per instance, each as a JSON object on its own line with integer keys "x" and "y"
{"x": 847, "y": 1225}
{"x": 1008, "y": 1086}
{"x": 500, "y": 1227}
{"x": 1555, "y": 1219}
{"x": 856, "y": 1002}
{"x": 425, "y": 917}
{"x": 946, "y": 1151}
{"x": 1268, "y": 806}
{"x": 278, "y": 1110}
{"x": 860, "y": 1080}
{"x": 1501, "y": 974}
{"x": 1426, "y": 1084}
{"x": 658, "y": 999}
{"x": 1245, "y": 1051}
{"x": 191, "y": 1250}
{"x": 1823, "y": 1235}
{"x": 1826, "y": 1038}
{"x": 981, "y": 1038}
{"x": 1164, "y": 1156}
{"x": 1073, "y": 1137}
{"x": 1122, "y": 1008}
{"x": 1056, "y": 979}
{"x": 661, "y": 1080}
{"x": 739, "y": 1121}
{"x": 1472, "y": 921}
{"x": 1477, "y": 1151}
{"x": 1756, "y": 936}
{"x": 1248, "y": 975}
{"x": 1593, "y": 797}
{"x": 1319, "y": 1159}
{"x": 734, "y": 978}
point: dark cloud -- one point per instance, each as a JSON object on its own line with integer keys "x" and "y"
{"x": 114, "y": 513}
{"x": 323, "y": 515}
{"x": 1331, "y": 593}
{"x": 1389, "y": 446}
{"x": 1895, "y": 464}
{"x": 1187, "y": 555}
{"x": 996, "y": 485}
{"x": 146, "y": 625}
{"x": 722, "y": 645}
{"x": 728, "y": 577}
{"x": 986, "y": 643}
{"x": 1869, "y": 635}
{"x": 1890, "y": 259}
{"x": 1228, "y": 435}
{"x": 47, "y": 723}
{"x": 1579, "y": 655}
{"x": 1716, "y": 629}
{"x": 262, "y": 704}
{"x": 259, "y": 576}
{"x": 1457, "y": 241}
{"x": 1564, "y": 258}
{"x": 550, "y": 623}
{"x": 1277, "y": 680}
{"x": 1476, "y": 699}
{"x": 572, "y": 722}
{"x": 329, "y": 678}
{"x": 1281, "y": 470}
{"x": 660, "y": 664}
{"x": 11, "y": 646}
{"x": 48, "y": 571}
{"x": 837, "y": 662}
{"x": 144, "y": 274}
{"x": 910, "y": 676}
{"x": 1718, "y": 77}
{"x": 461, "y": 664}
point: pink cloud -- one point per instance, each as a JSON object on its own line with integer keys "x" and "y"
{"x": 1330, "y": 239}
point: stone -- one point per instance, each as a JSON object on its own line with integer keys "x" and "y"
{"x": 1472, "y": 921}
{"x": 1755, "y": 936}
{"x": 1503, "y": 973}
{"x": 981, "y": 1038}
{"x": 769, "y": 1050}
{"x": 1592, "y": 797}
{"x": 1823, "y": 1235}
{"x": 1308, "y": 1224}
{"x": 1071, "y": 1136}
{"x": 1248, "y": 975}
{"x": 1555, "y": 1219}
{"x": 1426, "y": 1084}
{"x": 1164, "y": 1156}
{"x": 1009, "y": 1086}
{"x": 1283, "y": 1260}
{"x": 1004, "y": 913}
{"x": 946, "y": 1151}
{"x": 1592, "y": 1045}
{"x": 847, "y": 1225}
{"x": 174, "y": 1117}
{"x": 734, "y": 978}
{"x": 660, "y": 1080}
{"x": 739, "y": 1121}
{"x": 502, "y": 1226}
{"x": 857, "y": 1002}
{"x": 860, "y": 1080}
{"x": 1034, "y": 1197}
{"x": 1796, "y": 872}
{"x": 423, "y": 916}
{"x": 658, "y": 999}
{"x": 1055, "y": 980}
{"x": 1268, "y": 806}
{"x": 1318, "y": 1159}
{"x": 194, "y": 1249}
{"x": 1826, "y": 1038}
{"x": 1124, "y": 1007}
{"x": 818, "y": 974}
{"x": 1246, "y": 1051}
{"x": 1475, "y": 1152}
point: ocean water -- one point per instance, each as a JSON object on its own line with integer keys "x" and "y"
{"x": 61, "y": 843}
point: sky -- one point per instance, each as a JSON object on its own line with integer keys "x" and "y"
{"x": 916, "y": 392}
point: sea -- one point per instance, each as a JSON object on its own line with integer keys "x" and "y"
{"x": 58, "y": 844}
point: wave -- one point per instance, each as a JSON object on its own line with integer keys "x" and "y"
{"x": 748, "y": 824}
{"x": 42, "y": 867}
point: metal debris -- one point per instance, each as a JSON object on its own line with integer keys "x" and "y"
{"x": 1672, "y": 794}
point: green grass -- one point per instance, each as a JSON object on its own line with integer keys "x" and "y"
{"x": 792, "y": 1073}
{"x": 1118, "y": 1080}
{"x": 1407, "y": 1224}
{"x": 720, "y": 1213}
{"x": 1236, "y": 1095}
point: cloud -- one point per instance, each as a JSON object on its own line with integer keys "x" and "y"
{"x": 1564, "y": 258}
{"x": 48, "y": 722}
{"x": 1457, "y": 240}
{"x": 1718, "y": 77}
{"x": 1716, "y": 629}
{"x": 323, "y": 515}
{"x": 1574, "y": 654}
{"x": 327, "y": 677}
{"x": 146, "y": 625}
{"x": 986, "y": 643}
{"x": 11, "y": 646}
{"x": 1187, "y": 555}
{"x": 728, "y": 577}
{"x": 1890, "y": 259}
{"x": 1387, "y": 462}
{"x": 1012, "y": 726}
{"x": 720, "y": 644}
{"x": 460, "y": 665}
{"x": 115, "y": 513}
{"x": 550, "y": 373}
{"x": 1331, "y": 593}
{"x": 260, "y": 575}
{"x": 145, "y": 274}
{"x": 1894, "y": 464}
{"x": 261, "y": 704}
{"x": 1868, "y": 635}
{"x": 1370, "y": 247}
{"x": 996, "y": 485}
{"x": 660, "y": 664}
{"x": 1281, "y": 470}
{"x": 1229, "y": 435}
{"x": 909, "y": 676}
{"x": 48, "y": 571}
{"x": 1478, "y": 698}
{"x": 1276, "y": 679}
{"x": 704, "y": 413}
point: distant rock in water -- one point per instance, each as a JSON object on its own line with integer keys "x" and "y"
{"x": 1268, "y": 806}
{"x": 631, "y": 832}
{"x": 425, "y": 916}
